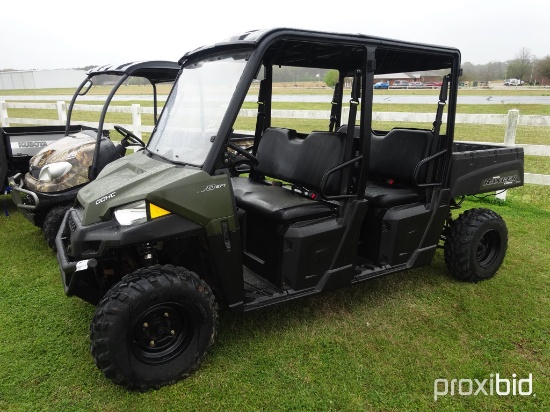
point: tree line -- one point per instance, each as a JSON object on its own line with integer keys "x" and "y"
{"x": 524, "y": 66}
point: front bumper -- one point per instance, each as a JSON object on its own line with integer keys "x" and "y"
{"x": 28, "y": 206}
{"x": 34, "y": 204}
{"x": 82, "y": 250}
{"x": 75, "y": 274}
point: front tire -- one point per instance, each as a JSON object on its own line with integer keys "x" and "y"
{"x": 154, "y": 327}
{"x": 52, "y": 223}
{"x": 475, "y": 245}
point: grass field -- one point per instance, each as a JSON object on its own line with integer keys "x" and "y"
{"x": 377, "y": 346}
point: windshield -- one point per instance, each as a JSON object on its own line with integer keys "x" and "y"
{"x": 196, "y": 107}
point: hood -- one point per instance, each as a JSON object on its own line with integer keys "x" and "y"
{"x": 76, "y": 150}
{"x": 127, "y": 180}
{"x": 62, "y": 149}
{"x": 184, "y": 190}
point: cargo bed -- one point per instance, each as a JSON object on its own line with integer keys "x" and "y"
{"x": 480, "y": 168}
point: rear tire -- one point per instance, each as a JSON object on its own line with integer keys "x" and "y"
{"x": 476, "y": 245}
{"x": 154, "y": 327}
{"x": 52, "y": 223}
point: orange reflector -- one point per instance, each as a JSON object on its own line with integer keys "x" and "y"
{"x": 155, "y": 211}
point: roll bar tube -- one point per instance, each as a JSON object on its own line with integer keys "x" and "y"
{"x": 92, "y": 174}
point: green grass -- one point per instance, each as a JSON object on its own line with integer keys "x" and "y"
{"x": 376, "y": 346}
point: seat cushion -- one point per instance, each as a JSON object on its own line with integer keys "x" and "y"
{"x": 276, "y": 202}
{"x": 383, "y": 195}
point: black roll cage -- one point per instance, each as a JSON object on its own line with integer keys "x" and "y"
{"x": 371, "y": 55}
{"x": 154, "y": 71}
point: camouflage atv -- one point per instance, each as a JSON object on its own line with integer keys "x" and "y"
{"x": 61, "y": 169}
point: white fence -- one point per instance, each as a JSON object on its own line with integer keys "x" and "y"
{"x": 511, "y": 120}
{"x": 135, "y": 109}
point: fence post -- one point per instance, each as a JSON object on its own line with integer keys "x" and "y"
{"x": 510, "y": 137}
{"x": 4, "y": 114}
{"x": 62, "y": 112}
{"x": 511, "y": 127}
{"x": 136, "y": 120}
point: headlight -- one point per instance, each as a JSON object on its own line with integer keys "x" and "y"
{"x": 138, "y": 212}
{"x": 53, "y": 171}
{"x": 131, "y": 214}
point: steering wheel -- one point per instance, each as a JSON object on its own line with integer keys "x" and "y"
{"x": 250, "y": 158}
{"x": 128, "y": 137}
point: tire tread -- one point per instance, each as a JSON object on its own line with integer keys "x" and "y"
{"x": 459, "y": 238}
{"x": 114, "y": 305}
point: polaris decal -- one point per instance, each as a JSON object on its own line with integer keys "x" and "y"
{"x": 209, "y": 188}
{"x": 501, "y": 180}
{"x": 105, "y": 198}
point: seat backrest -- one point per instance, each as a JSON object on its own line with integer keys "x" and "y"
{"x": 301, "y": 161}
{"x": 397, "y": 154}
{"x": 107, "y": 153}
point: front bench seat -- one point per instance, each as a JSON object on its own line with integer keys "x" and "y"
{"x": 276, "y": 202}
{"x": 299, "y": 161}
{"x": 268, "y": 210}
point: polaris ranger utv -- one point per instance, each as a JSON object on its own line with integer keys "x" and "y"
{"x": 164, "y": 237}
{"x": 48, "y": 188}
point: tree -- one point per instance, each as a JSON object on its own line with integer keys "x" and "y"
{"x": 543, "y": 68}
{"x": 486, "y": 72}
{"x": 521, "y": 65}
{"x": 469, "y": 71}
{"x": 331, "y": 78}
{"x": 86, "y": 68}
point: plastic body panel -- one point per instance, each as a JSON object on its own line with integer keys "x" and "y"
{"x": 479, "y": 168}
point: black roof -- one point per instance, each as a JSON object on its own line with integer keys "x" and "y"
{"x": 306, "y": 48}
{"x": 156, "y": 71}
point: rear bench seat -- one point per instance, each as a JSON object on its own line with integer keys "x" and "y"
{"x": 393, "y": 160}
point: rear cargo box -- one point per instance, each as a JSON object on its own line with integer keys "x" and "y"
{"x": 480, "y": 168}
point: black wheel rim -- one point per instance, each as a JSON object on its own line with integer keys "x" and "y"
{"x": 488, "y": 248}
{"x": 162, "y": 333}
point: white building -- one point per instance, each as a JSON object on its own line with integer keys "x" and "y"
{"x": 41, "y": 79}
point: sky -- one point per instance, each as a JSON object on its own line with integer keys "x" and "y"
{"x": 56, "y": 34}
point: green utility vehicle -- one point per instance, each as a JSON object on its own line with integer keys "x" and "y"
{"x": 165, "y": 237}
